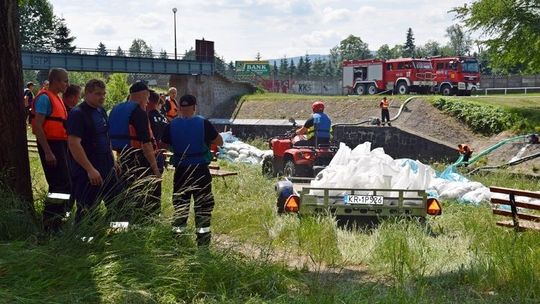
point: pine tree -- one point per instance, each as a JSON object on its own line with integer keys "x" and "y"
{"x": 101, "y": 50}
{"x": 318, "y": 68}
{"x": 62, "y": 39}
{"x": 258, "y": 56}
{"x": 292, "y": 68}
{"x": 284, "y": 67}
{"x": 275, "y": 70}
{"x": 307, "y": 65}
{"x": 408, "y": 47}
{"x": 300, "y": 67}
{"x": 120, "y": 52}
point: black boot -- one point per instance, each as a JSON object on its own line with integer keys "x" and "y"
{"x": 203, "y": 239}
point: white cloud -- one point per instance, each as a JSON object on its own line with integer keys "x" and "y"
{"x": 241, "y": 28}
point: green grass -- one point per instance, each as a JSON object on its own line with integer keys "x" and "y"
{"x": 460, "y": 256}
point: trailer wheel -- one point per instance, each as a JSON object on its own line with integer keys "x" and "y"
{"x": 446, "y": 90}
{"x": 268, "y": 167}
{"x": 360, "y": 89}
{"x": 372, "y": 89}
{"x": 289, "y": 170}
{"x": 402, "y": 88}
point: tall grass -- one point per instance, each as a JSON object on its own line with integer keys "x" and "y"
{"x": 260, "y": 257}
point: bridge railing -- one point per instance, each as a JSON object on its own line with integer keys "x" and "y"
{"x": 190, "y": 55}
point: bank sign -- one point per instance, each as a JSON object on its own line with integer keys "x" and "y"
{"x": 253, "y": 67}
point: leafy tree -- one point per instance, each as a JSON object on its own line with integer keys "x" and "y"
{"x": 231, "y": 69}
{"x": 460, "y": 41}
{"x": 409, "y": 47}
{"x": 80, "y": 78}
{"x": 119, "y": 52}
{"x": 117, "y": 89}
{"x": 318, "y": 68}
{"x": 397, "y": 51}
{"x": 353, "y": 47}
{"x": 219, "y": 64}
{"x": 36, "y": 24}
{"x": 62, "y": 41}
{"x": 163, "y": 54}
{"x": 333, "y": 68}
{"x": 190, "y": 55}
{"x": 101, "y": 50}
{"x": 513, "y": 28}
{"x": 432, "y": 48}
{"x": 384, "y": 52}
{"x": 139, "y": 48}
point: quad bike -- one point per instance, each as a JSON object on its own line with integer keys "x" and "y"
{"x": 293, "y": 160}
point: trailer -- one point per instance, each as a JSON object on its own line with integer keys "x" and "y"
{"x": 362, "y": 206}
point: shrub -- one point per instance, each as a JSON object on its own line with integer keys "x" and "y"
{"x": 484, "y": 119}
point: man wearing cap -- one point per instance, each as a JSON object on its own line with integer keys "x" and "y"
{"x": 190, "y": 137}
{"x": 133, "y": 141}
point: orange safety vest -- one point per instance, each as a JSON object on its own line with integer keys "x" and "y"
{"x": 54, "y": 124}
{"x": 384, "y": 104}
{"x": 173, "y": 109}
{"x": 135, "y": 143}
{"x": 464, "y": 149}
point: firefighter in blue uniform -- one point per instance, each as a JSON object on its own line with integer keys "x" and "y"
{"x": 133, "y": 141}
{"x": 189, "y": 138}
{"x": 318, "y": 128}
{"x": 92, "y": 171}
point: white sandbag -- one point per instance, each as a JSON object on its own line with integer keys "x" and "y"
{"x": 232, "y": 153}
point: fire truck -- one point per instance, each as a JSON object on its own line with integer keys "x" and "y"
{"x": 456, "y": 75}
{"x": 402, "y": 75}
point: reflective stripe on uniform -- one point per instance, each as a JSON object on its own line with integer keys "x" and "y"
{"x": 202, "y": 230}
{"x": 179, "y": 229}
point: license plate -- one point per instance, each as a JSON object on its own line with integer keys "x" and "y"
{"x": 363, "y": 199}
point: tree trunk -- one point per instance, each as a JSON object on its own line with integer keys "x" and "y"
{"x": 14, "y": 162}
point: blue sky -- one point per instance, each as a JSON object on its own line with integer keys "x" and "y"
{"x": 241, "y": 28}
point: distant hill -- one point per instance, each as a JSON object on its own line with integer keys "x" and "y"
{"x": 297, "y": 59}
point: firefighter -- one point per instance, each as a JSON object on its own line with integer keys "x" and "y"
{"x": 189, "y": 138}
{"x": 465, "y": 151}
{"x": 170, "y": 108}
{"x": 318, "y": 128}
{"x": 49, "y": 115}
{"x": 93, "y": 168}
{"x": 132, "y": 139}
{"x": 385, "y": 114}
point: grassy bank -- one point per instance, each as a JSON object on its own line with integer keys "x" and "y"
{"x": 492, "y": 115}
{"x": 463, "y": 257}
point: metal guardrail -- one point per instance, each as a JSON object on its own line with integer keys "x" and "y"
{"x": 525, "y": 89}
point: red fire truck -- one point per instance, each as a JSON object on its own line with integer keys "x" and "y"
{"x": 456, "y": 75}
{"x": 400, "y": 75}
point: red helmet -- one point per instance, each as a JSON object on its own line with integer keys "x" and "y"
{"x": 317, "y": 107}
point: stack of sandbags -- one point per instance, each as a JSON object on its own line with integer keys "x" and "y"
{"x": 235, "y": 150}
{"x": 364, "y": 168}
